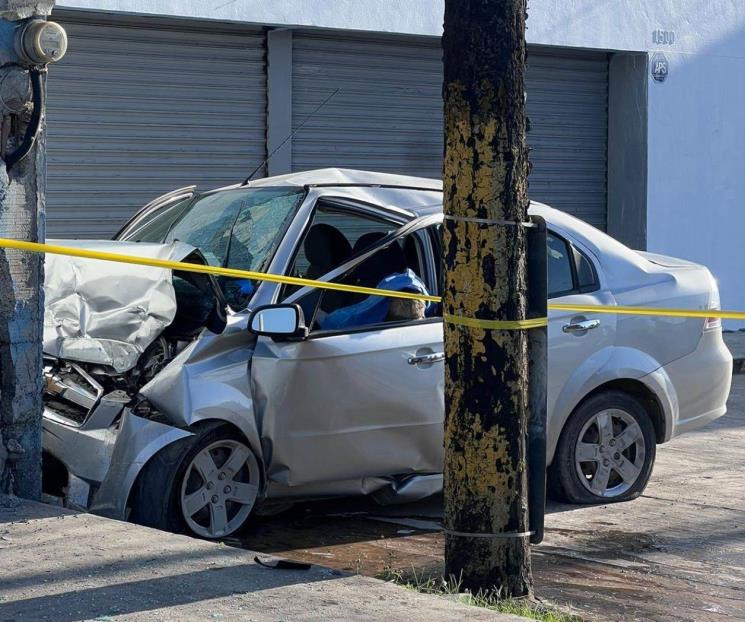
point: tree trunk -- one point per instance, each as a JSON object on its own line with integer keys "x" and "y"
{"x": 486, "y": 373}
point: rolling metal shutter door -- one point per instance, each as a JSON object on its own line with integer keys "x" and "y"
{"x": 386, "y": 117}
{"x": 568, "y": 111}
{"x": 388, "y": 114}
{"x": 141, "y": 108}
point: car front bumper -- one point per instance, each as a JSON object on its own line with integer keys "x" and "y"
{"x": 103, "y": 463}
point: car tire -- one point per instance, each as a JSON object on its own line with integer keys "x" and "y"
{"x": 205, "y": 485}
{"x": 606, "y": 451}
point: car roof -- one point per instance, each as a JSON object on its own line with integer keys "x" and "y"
{"x": 422, "y": 196}
{"x": 375, "y": 183}
{"x": 340, "y": 177}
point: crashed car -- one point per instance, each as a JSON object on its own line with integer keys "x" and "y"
{"x": 188, "y": 402}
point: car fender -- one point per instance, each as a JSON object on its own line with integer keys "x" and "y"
{"x": 210, "y": 381}
{"x": 137, "y": 441}
{"x": 606, "y": 365}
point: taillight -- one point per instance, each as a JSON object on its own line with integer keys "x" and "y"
{"x": 713, "y": 323}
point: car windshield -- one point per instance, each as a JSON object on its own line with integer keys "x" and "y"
{"x": 234, "y": 228}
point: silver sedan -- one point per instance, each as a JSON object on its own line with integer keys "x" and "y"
{"x": 188, "y": 403}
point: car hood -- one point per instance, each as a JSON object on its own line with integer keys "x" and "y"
{"x": 107, "y": 312}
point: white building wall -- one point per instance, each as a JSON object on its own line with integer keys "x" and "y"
{"x": 696, "y": 118}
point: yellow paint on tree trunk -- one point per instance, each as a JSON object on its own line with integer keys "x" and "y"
{"x": 484, "y": 176}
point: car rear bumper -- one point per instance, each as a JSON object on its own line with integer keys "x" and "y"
{"x": 702, "y": 383}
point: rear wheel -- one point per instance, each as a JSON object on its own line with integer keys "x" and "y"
{"x": 206, "y": 485}
{"x": 606, "y": 451}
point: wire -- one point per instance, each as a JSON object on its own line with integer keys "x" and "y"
{"x": 32, "y": 129}
{"x": 290, "y": 135}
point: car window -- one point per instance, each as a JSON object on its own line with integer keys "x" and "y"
{"x": 333, "y": 237}
{"x": 399, "y": 266}
{"x": 237, "y": 228}
{"x": 559, "y": 265}
{"x": 155, "y": 224}
{"x": 586, "y": 278}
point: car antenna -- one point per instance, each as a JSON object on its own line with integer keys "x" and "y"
{"x": 290, "y": 135}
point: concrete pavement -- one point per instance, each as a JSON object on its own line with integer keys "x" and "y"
{"x": 62, "y": 566}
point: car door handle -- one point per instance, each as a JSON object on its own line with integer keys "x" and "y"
{"x": 580, "y": 327}
{"x": 434, "y": 357}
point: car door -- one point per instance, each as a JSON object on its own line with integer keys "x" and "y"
{"x": 356, "y": 402}
{"x": 575, "y": 339}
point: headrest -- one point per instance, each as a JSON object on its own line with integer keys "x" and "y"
{"x": 326, "y": 247}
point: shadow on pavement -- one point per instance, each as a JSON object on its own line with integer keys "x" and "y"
{"x": 158, "y": 592}
{"x": 159, "y": 562}
{"x": 11, "y": 510}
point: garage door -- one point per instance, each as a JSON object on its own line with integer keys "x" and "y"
{"x": 137, "y": 109}
{"x": 388, "y": 114}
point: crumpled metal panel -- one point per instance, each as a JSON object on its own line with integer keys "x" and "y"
{"x": 106, "y": 312}
{"x": 209, "y": 380}
{"x": 86, "y": 453}
{"x": 137, "y": 441}
{"x": 340, "y": 488}
{"x": 349, "y": 406}
{"x": 411, "y": 489}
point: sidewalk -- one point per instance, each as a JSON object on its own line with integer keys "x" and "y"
{"x": 62, "y": 566}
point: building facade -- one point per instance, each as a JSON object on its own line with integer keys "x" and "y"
{"x": 637, "y": 122}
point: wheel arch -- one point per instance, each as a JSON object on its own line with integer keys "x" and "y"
{"x": 622, "y": 368}
{"x": 641, "y": 392}
{"x": 568, "y": 479}
{"x": 199, "y": 428}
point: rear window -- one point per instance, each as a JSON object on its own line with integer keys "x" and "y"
{"x": 569, "y": 269}
{"x": 559, "y": 263}
{"x": 585, "y": 273}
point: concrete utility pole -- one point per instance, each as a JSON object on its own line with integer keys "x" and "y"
{"x": 27, "y": 44}
{"x": 486, "y": 372}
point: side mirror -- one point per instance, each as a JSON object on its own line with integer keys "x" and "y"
{"x": 283, "y": 320}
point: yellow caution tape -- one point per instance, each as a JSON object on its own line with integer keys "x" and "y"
{"x": 656, "y": 311}
{"x": 473, "y": 322}
{"x": 53, "y": 249}
{"x": 35, "y": 247}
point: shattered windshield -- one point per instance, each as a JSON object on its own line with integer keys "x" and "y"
{"x": 234, "y": 228}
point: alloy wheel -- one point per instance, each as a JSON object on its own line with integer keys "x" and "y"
{"x": 609, "y": 453}
{"x": 219, "y": 488}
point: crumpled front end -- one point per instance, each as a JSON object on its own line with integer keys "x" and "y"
{"x": 109, "y": 329}
{"x": 102, "y": 458}
{"x": 108, "y": 313}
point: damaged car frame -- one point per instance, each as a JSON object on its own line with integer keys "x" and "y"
{"x": 187, "y": 402}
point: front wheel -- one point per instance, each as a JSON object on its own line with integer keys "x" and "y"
{"x": 606, "y": 451}
{"x": 206, "y": 485}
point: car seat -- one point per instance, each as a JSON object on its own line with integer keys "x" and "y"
{"x": 326, "y": 248}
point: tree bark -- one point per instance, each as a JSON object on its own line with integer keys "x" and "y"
{"x": 485, "y": 272}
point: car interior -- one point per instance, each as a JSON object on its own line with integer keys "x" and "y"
{"x": 334, "y": 237}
